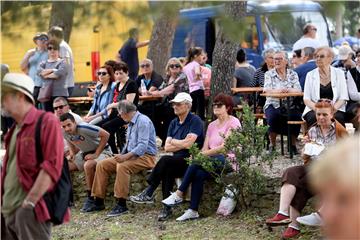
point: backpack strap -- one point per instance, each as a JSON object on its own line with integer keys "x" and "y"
{"x": 40, "y": 157}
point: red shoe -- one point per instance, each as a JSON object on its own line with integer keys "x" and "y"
{"x": 290, "y": 233}
{"x": 278, "y": 220}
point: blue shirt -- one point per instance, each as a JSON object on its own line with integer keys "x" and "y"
{"x": 101, "y": 100}
{"x": 303, "y": 69}
{"x": 34, "y": 61}
{"x": 141, "y": 136}
{"x": 192, "y": 124}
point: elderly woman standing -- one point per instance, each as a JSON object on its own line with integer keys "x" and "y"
{"x": 54, "y": 71}
{"x": 281, "y": 79}
{"x": 174, "y": 83}
{"x": 295, "y": 190}
{"x": 33, "y": 58}
{"x": 327, "y": 82}
{"x": 213, "y": 146}
{"x": 104, "y": 93}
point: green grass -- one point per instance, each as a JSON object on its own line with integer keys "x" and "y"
{"x": 142, "y": 224}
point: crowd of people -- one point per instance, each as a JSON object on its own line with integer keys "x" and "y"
{"x": 119, "y": 133}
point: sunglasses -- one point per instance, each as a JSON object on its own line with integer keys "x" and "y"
{"x": 320, "y": 56}
{"x": 217, "y": 105}
{"x": 325, "y": 100}
{"x": 145, "y": 65}
{"x": 174, "y": 66}
{"x": 102, "y": 73}
{"x": 59, "y": 107}
{"x": 52, "y": 48}
{"x": 176, "y": 104}
{"x": 42, "y": 39}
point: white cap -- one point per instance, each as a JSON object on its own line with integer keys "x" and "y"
{"x": 20, "y": 82}
{"x": 181, "y": 97}
{"x": 344, "y": 52}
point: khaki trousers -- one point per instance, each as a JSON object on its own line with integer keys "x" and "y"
{"x": 123, "y": 172}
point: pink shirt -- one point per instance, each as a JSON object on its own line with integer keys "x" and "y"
{"x": 189, "y": 70}
{"x": 216, "y": 133}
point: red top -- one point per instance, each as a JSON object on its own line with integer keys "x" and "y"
{"x": 26, "y": 164}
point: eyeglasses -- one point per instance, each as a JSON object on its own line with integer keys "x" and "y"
{"x": 320, "y": 56}
{"x": 174, "y": 66}
{"x": 52, "y": 48}
{"x": 59, "y": 107}
{"x": 217, "y": 105}
{"x": 325, "y": 100}
{"x": 145, "y": 65}
{"x": 102, "y": 73}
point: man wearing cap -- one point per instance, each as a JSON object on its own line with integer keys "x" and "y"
{"x": 185, "y": 130}
{"x": 345, "y": 58}
{"x": 138, "y": 155}
{"x": 23, "y": 180}
{"x": 56, "y": 33}
{"x": 33, "y": 58}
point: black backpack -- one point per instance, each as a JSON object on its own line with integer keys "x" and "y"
{"x": 58, "y": 200}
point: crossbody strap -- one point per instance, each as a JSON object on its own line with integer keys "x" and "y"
{"x": 39, "y": 154}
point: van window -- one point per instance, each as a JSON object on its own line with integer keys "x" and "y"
{"x": 285, "y": 28}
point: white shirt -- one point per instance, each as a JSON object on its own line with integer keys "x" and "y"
{"x": 354, "y": 95}
{"x": 306, "y": 42}
{"x": 66, "y": 53}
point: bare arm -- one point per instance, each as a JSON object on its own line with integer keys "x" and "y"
{"x": 130, "y": 97}
{"x": 234, "y": 81}
{"x": 184, "y": 143}
{"x": 310, "y": 104}
{"x": 338, "y": 104}
{"x": 41, "y": 185}
{"x": 104, "y": 136}
{"x": 142, "y": 44}
{"x": 24, "y": 64}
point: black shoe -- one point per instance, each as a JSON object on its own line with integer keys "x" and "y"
{"x": 117, "y": 211}
{"x": 94, "y": 207}
{"x": 294, "y": 150}
{"x": 88, "y": 201}
{"x": 164, "y": 214}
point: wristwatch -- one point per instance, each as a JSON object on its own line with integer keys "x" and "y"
{"x": 29, "y": 203}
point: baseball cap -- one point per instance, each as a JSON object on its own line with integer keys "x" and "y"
{"x": 40, "y": 35}
{"x": 19, "y": 82}
{"x": 344, "y": 52}
{"x": 181, "y": 97}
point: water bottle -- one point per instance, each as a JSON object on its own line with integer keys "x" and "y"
{"x": 143, "y": 88}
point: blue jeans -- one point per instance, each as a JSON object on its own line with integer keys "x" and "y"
{"x": 196, "y": 175}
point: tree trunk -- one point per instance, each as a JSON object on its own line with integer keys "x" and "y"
{"x": 62, "y": 14}
{"x": 224, "y": 55}
{"x": 162, "y": 37}
{"x": 339, "y": 18}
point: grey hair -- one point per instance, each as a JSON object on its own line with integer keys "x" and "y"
{"x": 268, "y": 51}
{"x": 125, "y": 106}
{"x": 309, "y": 52}
{"x": 285, "y": 55}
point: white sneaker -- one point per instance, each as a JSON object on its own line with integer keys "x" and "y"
{"x": 172, "y": 200}
{"x": 188, "y": 215}
{"x": 313, "y": 219}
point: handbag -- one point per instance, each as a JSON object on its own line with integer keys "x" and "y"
{"x": 45, "y": 92}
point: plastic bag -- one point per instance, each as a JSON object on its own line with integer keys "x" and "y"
{"x": 227, "y": 203}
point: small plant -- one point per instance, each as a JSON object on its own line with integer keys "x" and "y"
{"x": 244, "y": 151}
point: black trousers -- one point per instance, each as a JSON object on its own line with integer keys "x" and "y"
{"x": 166, "y": 170}
{"x": 198, "y": 104}
{"x": 164, "y": 114}
{"x": 112, "y": 124}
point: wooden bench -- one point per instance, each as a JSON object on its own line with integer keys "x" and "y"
{"x": 301, "y": 123}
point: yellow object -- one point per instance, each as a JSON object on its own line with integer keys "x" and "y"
{"x": 83, "y": 40}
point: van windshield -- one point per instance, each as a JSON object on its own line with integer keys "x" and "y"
{"x": 283, "y": 29}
